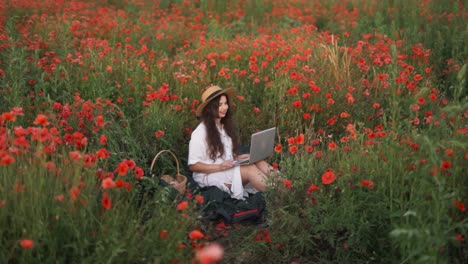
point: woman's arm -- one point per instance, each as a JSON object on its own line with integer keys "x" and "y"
{"x": 211, "y": 168}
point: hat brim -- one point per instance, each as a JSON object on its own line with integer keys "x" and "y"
{"x": 229, "y": 92}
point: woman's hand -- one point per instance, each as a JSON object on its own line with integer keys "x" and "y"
{"x": 227, "y": 164}
{"x": 243, "y": 156}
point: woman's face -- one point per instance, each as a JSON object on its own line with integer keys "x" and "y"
{"x": 223, "y": 106}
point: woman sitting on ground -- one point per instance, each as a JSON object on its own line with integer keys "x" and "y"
{"x": 213, "y": 149}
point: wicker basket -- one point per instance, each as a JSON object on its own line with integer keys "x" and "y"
{"x": 179, "y": 181}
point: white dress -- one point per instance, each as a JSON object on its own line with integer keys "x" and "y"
{"x": 198, "y": 152}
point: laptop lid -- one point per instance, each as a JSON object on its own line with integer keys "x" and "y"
{"x": 262, "y": 145}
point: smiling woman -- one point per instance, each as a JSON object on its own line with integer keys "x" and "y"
{"x": 213, "y": 149}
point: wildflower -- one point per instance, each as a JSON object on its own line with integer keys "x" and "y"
{"x": 459, "y": 205}
{"x": 299, "y": 139}
{"x": 106, "y": 202}
{"x": 100, "y": 121}
{"x": 297, "y": 104}
{"x": 159, "y": 133}
{"x": 102, "y": 153}
{"x": 293, "y": 149}
{"x": 27, "y": 243}
{"x": 445, "y": 165}
{"x": 318, "y": 154}
{"x": 332, "y": 146}
{"x": 103, "y": 140}
{"x": 163, "y": 234}
{"x": 41, "y": 120}
{"x": 278, "y": 148}
{"x": 287, "y": 183}
{"x": 328, "y": 177}
{"x": 312, "y": 188}
{"x": 75, "y": 155}
{"x": 459, "y": 237}
{"x": 139, "y": 172}
{"x": 122, "y": 168}
{"x": 74, "y": 192}
{"x": 107, "y": 183}
{"x": 210, "y": 254}
{"x": 367, "y": 184}
{"x": 199, "y": 199}
{"x": 196, "y": 234}
{"x": 309, "y": 148}
{"x": 182, "y": 206}
{"x": 6, "y": 160}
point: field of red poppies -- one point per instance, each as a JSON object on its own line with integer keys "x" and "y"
{"x": 369, "y": 98}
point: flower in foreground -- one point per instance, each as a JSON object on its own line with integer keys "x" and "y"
{"x": 210, "y": 254}
{"x": 27, "y": 243}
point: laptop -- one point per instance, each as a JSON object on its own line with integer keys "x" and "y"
{"x": 261, "y": 146}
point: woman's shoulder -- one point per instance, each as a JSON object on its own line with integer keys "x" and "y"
{"x": 199, "y": 130}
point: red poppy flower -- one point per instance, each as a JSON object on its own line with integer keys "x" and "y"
{"x": 27, "y": 243}
{"x": 278, "y": 148}
{"x": 313, "y": 188}
{"x": 328, "y": 177}
{"x": 196, "y": 234}
{"x": 293, "y": 149}
{"x": 367, "y": 184}
{"x": 7, "y": 160}
{"x": 106, "y": 202}
{"x": 299, "y": 139}
{"x": 199, "y": 199}
{"x": 107, "y": 183}
{"x": 287, "y": 183}
{"x": 122, "y": 168}
{"x": 159, "y": 133}
{"x": 318, "y": 154}
{"x": 182, "y": 205}
{"x": 332, "y": 146}
{"x": 74, "y": 192}
{"x": 41, "y": 120}
{"x": 163, "y": 234}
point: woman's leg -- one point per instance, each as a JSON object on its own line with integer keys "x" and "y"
{"x": 253, "y": 175}
{"x": 264, "y": 167}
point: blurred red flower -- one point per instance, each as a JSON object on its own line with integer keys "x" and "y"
{"x": 106, "y": 202}
{"x": 287, "y": 183}
{"x": 163, "y": 234}
{"x": 41, "y": 119}
{"x": 278, "y": 148}
{"x": 210, "y": 254}
{"x": 107, "y": 183}
{"x": 293, "y": 149}
{"x": 199, "y": 199}
{"x": 196, "y": 234}
{"x": 27, "y": 243}
{"x": 328, "y": 177}
{"x": 299, "y": 139}
{"x": 159, "y": 133}
{"x": 313, "y": 188}
{"x": 367, "y": 184}
{"x": 182, "y": 205}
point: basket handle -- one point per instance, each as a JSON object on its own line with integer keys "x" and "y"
{"x": 159, "y": 153}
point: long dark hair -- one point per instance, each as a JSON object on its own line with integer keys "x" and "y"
{"x": 213, "y": 138}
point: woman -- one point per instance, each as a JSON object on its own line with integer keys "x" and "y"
{"x": 213, "y": 149}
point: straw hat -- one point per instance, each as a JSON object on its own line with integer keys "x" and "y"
{"x": 211, "y": 93}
